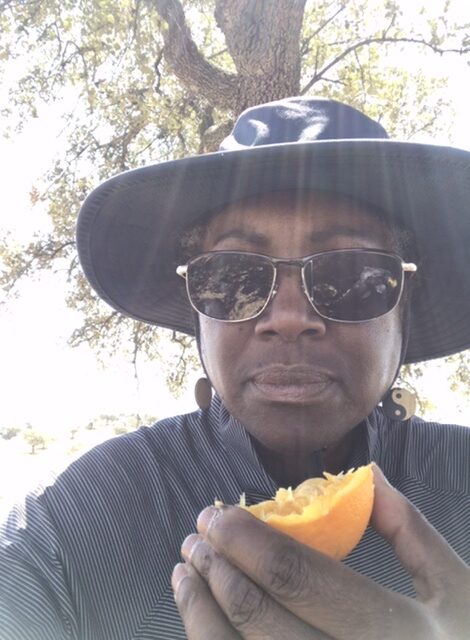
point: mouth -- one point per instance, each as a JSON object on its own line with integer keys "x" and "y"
{"x": 291, "y": 384}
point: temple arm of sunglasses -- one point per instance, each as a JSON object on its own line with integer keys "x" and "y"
{"x": 182, "y": 270}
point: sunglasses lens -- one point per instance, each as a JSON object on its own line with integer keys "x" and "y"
{"x": 353, "y": 285}
{"x": 230, "y": 286}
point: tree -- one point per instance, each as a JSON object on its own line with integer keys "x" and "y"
{"x": 8, "y": 433}
{"x": 159, "y": 79}
{"x": 35, "y": 439}
{"x": 122, "y": 423}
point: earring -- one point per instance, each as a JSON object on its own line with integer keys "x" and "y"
{"x": 203, "y": 393}
{"x": 399, "y": 404}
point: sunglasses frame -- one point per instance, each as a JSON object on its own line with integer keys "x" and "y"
{"x": 407, "y": 268}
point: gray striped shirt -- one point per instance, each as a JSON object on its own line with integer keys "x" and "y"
{"x": 89, "y": 557}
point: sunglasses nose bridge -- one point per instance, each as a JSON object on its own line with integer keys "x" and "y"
{"x": 289, "y": 313}
{"x": 291, "y": 269}
{"x": 285, "y": 266}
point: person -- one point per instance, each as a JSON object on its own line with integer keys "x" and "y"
{"x": 311, "y": 256}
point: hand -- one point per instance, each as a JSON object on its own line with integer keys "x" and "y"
{"x": 243, "y": 579}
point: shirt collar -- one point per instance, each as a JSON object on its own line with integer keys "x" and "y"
{"x": 244, "y": 461}
{"x": 239, "y": 445}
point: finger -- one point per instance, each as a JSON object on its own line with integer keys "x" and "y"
{"x": 325, "y": 593}
{"x": 248, "y": 608}
{"x": 201, "y": 615}
{"x": 423, "y": 552}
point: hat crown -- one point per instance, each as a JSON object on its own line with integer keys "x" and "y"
{"x": 300, "y": 120}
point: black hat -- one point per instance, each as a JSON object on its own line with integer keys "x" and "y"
{"x": 128, "y": 227}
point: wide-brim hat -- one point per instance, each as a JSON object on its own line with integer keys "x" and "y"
{"x": 128, "y": 227}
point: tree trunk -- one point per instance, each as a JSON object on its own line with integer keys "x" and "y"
{"x": 262, "y": 38}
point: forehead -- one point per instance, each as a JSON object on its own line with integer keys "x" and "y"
{"x": 307, "y": 220}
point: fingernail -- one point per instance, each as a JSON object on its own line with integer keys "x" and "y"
{"x": 188, "y": 545}
{"x": 180, "y": 572}
{"x": 207, "y": 518}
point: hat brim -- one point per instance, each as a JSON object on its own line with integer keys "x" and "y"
{"x": 128, "y": 227}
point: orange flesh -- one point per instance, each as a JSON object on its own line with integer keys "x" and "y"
{"x": 329, "y": 514}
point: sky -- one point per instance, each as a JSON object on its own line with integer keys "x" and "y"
{"x": 54, "y": 387}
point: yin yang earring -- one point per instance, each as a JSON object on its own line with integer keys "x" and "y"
{"x": 399, "y": 404}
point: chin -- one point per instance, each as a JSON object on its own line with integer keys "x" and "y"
{"x": 290, "y": 428}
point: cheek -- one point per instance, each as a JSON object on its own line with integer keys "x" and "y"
{"x": 377, "y": 351}
{"x": 207, "y": 343}
{"x": 221, "y": 344}
{"x": 388, "y": 339}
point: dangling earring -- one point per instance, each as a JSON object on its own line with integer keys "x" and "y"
{"x": 203, "y": 393}
{"x": 399, "y": 404}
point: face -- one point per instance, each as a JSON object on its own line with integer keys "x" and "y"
{"x": 297, "y": 381}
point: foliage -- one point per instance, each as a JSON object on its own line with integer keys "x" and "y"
{"x": 122, "y": 423}
{"x": 140, "y": 81}
{"x": 460, "y": 378}
{"x": 35, "y": 439}
{"x": 8, "y": 433}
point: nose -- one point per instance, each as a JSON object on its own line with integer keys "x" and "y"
{"x": 289, "y": 313}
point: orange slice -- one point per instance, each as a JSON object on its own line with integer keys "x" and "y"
{"x": 329, "y": 514}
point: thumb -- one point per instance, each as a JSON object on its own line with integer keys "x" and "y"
{"x": 421, "y": 550}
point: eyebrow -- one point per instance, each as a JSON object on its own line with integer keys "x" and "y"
{"x": 340, "y": 230}
{"x": 239, "y": 234}
{"x": 259, "y": 239}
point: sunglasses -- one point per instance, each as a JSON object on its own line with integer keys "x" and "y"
{"x": 344, "y": 285}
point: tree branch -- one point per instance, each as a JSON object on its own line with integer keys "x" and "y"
{"x": 368, "y": 41}
{"x": 28, "y": 260}
{"x": 188, "y": 64}
{"x": 305, "y": 47}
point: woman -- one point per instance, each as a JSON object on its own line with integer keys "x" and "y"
{"x": 298, "y": 244}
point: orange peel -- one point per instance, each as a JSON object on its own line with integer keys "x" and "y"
{"x": 328, "y": 514}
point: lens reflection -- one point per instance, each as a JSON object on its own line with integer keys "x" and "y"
{"x": 353, "y": 286}
{"x": 228, "y": 286}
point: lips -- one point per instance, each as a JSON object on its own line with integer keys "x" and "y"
{"x": 291, "y": 383}
{"x": 290, "y": 374}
